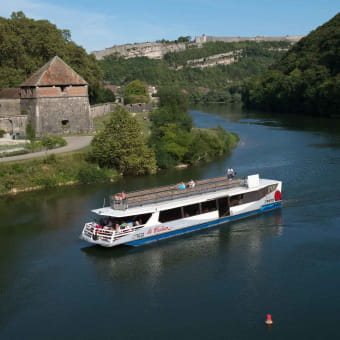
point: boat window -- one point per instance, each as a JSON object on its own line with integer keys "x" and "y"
{"x": 236, "y": 200}
{"x": 271, "y": 188}
{"x": 209, "y": 206}
{"x": 251, "y": 196}
{"x": 134, "y": 220}
{"x": 170, "y": 215}
{"x": 191, "y": 210}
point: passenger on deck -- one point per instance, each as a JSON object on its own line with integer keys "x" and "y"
{"x": 191, "y": 184}
{"x": 123, "y": 225}
{"x": 181, "y": 186}
{"x": 109, "y": 224}
{"x": 230, "y": 173}
{"x": 118, "y": 197}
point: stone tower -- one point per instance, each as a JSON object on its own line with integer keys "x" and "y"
{"x": 55, "y": 98}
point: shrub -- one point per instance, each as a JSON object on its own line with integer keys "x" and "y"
{"x": 50, "y": 159}
{"x": 52, "y": 142}
{"x": 92, "y": 174}
{"x": 2, "y": 132}
{"x": 46, "y": 182}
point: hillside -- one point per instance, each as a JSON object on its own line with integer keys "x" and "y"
{"x": 306, "y": 80}
{"x": 27, "y": 44}
{"x": 211, "y": 73}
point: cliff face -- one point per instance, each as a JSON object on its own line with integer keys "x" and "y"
{"x": 154, "y": 50}
{"x": 148, "y": 49}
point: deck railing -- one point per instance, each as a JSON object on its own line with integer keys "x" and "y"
{"x": 106, "y": 234}
{"x": 159, "y": 194}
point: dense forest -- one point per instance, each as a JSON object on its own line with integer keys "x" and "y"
{"x": 27, "y": 44}
{"x": 220, "y": 83}
{"x": 306, "y": 79}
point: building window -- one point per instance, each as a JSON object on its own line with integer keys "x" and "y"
{"x": 65, "y": 123}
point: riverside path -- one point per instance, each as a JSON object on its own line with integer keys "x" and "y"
{"x": 73, "y": 143}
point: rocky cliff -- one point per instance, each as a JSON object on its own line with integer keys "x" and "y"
{"x": 155, "y": 50}
{"x": 151, "y": 50}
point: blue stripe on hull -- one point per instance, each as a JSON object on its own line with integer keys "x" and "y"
{"x": 174, "y": 233}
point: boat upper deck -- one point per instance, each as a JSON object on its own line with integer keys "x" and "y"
{"x": 171, "y": 192}
{"x": 167, "y": 197}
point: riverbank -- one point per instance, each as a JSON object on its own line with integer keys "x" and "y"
{"x": 51, "y": 171}
{"x": 64, "y": 169}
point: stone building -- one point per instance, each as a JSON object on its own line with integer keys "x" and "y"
{"x": 54, "y": 99}
{"x": 11, "y": 119}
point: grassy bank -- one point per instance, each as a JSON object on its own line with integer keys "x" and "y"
{"x": 50, "y": 171}
{"x": 72, "y": 168}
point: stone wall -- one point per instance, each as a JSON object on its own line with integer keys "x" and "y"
{"x": 139, "y": 107}
{"x": 102, "y": 109}
{"x": 206, "y": 38}
{"x": 9, "y": 107}
{"x": 60, "y": 116}
{"x": 14, "y": 124}
{"x": 99, "y": 110}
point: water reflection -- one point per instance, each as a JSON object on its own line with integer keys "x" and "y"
{"x": 224, "y": 242}
{"x": 236, "y": 113}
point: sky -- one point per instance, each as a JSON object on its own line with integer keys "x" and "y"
{"x": 97, "y": 25}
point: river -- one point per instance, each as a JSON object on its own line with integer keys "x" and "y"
{"x": 213, "y": 284}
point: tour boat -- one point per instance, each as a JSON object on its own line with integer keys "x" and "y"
{"x": 145, "y": 216}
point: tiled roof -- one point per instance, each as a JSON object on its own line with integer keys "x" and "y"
{"x": 55, "y": 72}
{"x": 9, "y": 93}
{"x": 112, "y": 88}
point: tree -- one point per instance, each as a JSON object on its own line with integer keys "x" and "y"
{"x": 305, "y": 79}
{"x": 184, "y": 39}
{"x": 30, "y": 134}
{"x": 136, "y": 92}
{"x": 121, "y": 146}
{"x": 27, "y": 44}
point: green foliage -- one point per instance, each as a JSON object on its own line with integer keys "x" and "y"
{"x": 50, "y": 171}
{"x": 30, "y": 132}
{"x": 253, "y": 58}
{"x": 52, "y": 142}
{"x": 27, "y": 44}
{"x": 172, "y": 97}
{"x": 50, "y": 159}
{"x": 14, "y": 153}
{"x": 185, "y": 39}
{"x": 103, "y": 95}
{"x": 92, "y": 174}
{"x": 121, "y": 146}
{"x": 2, "y": 132}
{"x": 306, "y": 79}
{"x": 174, "y": 139}
{"x": 136, "y": 92}
{"x": 170, "y": 130}
{"x": 248, "y": 48}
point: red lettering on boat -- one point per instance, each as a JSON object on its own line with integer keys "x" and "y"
{"x": 161, "y": 228}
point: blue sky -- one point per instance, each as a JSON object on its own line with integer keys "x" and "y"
{"x": 99, "y": 24}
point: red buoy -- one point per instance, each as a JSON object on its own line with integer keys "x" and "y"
{"x": 269, "y": 320}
